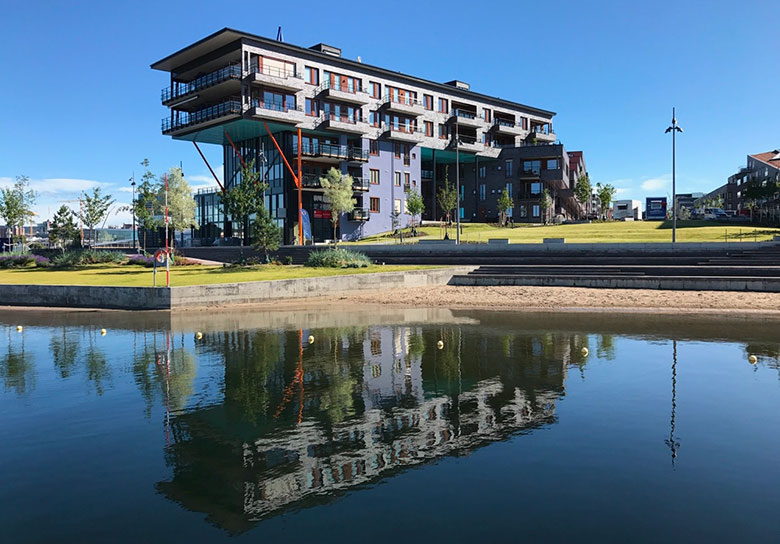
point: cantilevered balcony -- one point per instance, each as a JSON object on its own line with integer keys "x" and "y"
{"x": 180, "y": 92}
{"x": 342, "y": 123}
{"x": 356, "y": 154}
{"x": 272, "y": 111}
{"x": 278, "y": 78}
{"x": 315, "y": 151}
{"x": 402, "y": 132}
{"x": 311, "y": 181}
{"x": 467, "y": 145}
{"x": 342, "y": 93}
{"x": 403, "y": 104}
{"x": 211, "y": 115}
{"x": 466, "y": 118}
{"x": 502, "y": 127}
{"x": 360, "y": 185}
{"x": 542, "y": 133}
{"x": 359, "y": 214}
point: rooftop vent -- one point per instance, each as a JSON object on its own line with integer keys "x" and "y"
{"x": 459, "y": 84}
{"x": 327, "y": 49}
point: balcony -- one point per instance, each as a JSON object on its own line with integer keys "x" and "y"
{"x": 342, "y": 123}
{"x": 361, "y": 185}
{"x": 286, "y": 80}
{"x": 404, "y": 105}
{"x": 310, "y": 181}
{"x": 503, "y": 127}
{"x": 359, "y": 214}
{"x": 402, "y": 133}
{"x": 468, "y": 145}
{"x": 319, "y": 152}
{"x": 272, "y": 111}
{"x": 342, "y": 93}
{"x": 542, "y": 133}
{"x": 356, "y": 154}
{"x": 172, "y": 95}
{"x": 207, "y": 116}
{"x": 466, "y": 119}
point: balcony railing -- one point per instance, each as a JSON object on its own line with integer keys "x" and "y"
{"x": 464, "y": 113}
{"x": 340, "y": 118}
{"x": 504, "y": 123}
{"x": 542, "y": 129}
{"x": 274, "y": 71}
{"x": 357, "y": 154}
{"x": 426, "y": 174}
{"x": 317, "y": 149}
{"x": 274, "y": 106}
{"x": 311, "y": 181}
{"x": 185, "y": 119}
{"x": 359, "y": 214}
{"x": 232, "y": 71}
{"x": 361, "y": 184}
{"x": 403, "y": 100}
{"x": 337, "y": 86}
{"x": 403, "y": 127}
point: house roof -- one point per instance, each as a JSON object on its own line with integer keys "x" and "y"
{"x": 772, "y": 158}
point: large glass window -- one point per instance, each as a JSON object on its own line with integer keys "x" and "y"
{"x": 532, "y": 167}
{"x": 312, "y": 75}
{"x": 536, "y": 210}
{"x": 482, "y": 191}
{"x": 508, "y": 167}
{"x": 553, "y": 164}
{"x": 374, "y": 203}
{"x": 483, "y": 171}
{"x": 536, "y": 188}
{"x": 374, "y": 176}
{"x": 428, "y": 101}
{"x": 443, "y": 105}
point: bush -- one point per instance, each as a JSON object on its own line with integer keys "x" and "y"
{"x": 81, "y": 257}
{"x": 337, "y": 258}
{"x": 24, "y": 261}
{"x": 148, "y": 262}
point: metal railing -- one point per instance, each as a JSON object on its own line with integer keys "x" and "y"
{"x": 426, "y": 174}
{"x": 542, "y": 129}
{"x": 463, "y": 113}
{"x": 274, "y": 106}
{"x": 185, "y": 119}
{"x": 340, "y": 118}
{"x": 357, "y": 154}
{"x": 317, "y": 149}
{"x": 405, "y": 100}
{"x": 407, "y": 128}
{"x": 504, "y": 123}
{"x": 361, "y": 184}
{"x": 337, "y": 86}
{"x": 359, "y": 214}
{"x": 311, "y": 181}
{"x": 273, "y": 71}
{"x": 232, "y": 71}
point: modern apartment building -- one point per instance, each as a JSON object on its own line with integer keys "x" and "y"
{"x": 760, "y": 168}
{"x": 299, "y": 111}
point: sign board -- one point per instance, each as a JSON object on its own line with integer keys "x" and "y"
{"x": 322, "y": 214}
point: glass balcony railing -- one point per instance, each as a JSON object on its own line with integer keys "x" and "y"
{"x": 504, "y": 123}
{"x": 403, "y": 100}
{"x": 464, "y": 113}
{"x": 317, "y": 149}
{"x": 359, "y": 214}
{"x": 185, "y": 119}
{"x": 274, "y": 106}
{"x": 426, "y": 174}
{"x": 232, "y": 71}
{"x": 357, "y": 154}
{"x": 338, "y": 86}
{"x": 361, "y": 184}
{"x": 274, "y": 71}
{"x": 542, "y": 129}
{"x": 407, "y": 128}
{"x": 311, "y": 181}
{"x": 352, "y": 119}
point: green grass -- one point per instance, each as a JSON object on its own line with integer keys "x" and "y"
{"x": 618, "y": 231}
{"x": 135, "y": 276}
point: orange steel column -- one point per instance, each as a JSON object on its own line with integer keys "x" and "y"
{"x": 300, "y": 191}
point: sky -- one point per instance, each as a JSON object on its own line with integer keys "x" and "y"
{"x": 80, "y": 106}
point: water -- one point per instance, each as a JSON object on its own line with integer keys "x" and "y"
{"x": 371, "y": 432}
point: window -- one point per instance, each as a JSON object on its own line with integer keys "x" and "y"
{"x": 486, "y": 114}
{"x": 374, "y": 176}
{"x": 407, "y": 181}
{"x": 536, "y": 210}
{"x": 482, "y": 191}
{"x": 536, "y": 188}
{"x": 443, "y": 132}
{"x": 374, "y": 204}
{"x": 376, "y": 89}
{"x": 429, "y": 129}
{"x": 407, "y": 155}
{"x": 508, "y": 168}
{"x": 523, "y": 210}
{"x": 462, "y": 213}
{"x": 482, "y": 171}
{"x": 532, "y": 167}
{"x": 373, "y": 118}
{"x": 397, "y": 206}
{"x": 397, "y": 180}
{"x": 312, "y": 75}
{"x": 552, "y": 164}
{"x": 311, "y": 107}
{"x": 443, "y": 105}
{"x": 397, "y": 150}
{"x": 373, "y": 148}
{"x": 428, "y": 101}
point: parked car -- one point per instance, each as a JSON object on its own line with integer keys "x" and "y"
{"x": 715, "y": 213}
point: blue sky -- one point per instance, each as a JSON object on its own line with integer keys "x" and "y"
{"x": 80, "y": 105}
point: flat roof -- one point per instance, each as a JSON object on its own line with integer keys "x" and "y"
{"x": 228, "y": 35}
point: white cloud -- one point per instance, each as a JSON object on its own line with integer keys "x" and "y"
{"x": 657, "y": 184}
{"x": 57, "y": 186}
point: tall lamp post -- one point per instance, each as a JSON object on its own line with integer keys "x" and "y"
{"x": 457, "y": 183}
{"x": 674, "y": 129}
{"x": 132, "y": 184}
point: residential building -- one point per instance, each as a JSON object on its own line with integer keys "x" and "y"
{"x": 727, "y": 193}
{"x": 760, "y": 168}
{"x": 687, "y": 200}
{"x": 299, "y": 111}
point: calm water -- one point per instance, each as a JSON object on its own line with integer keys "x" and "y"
{"x": 373, "y": 433}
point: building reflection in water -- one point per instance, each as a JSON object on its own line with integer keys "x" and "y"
{"x": 298, "y": 422}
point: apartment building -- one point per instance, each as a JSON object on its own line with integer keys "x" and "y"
{"x": 761, "y": 168}
{"x": 299, "y": 111}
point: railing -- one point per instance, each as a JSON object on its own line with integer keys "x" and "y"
{"x": 542, "y": 129}
{"x": 337, "y": 86}
{"x": 357, "y": 154}
{"x": 463, "y": 113}
{"x": 503, "y": 123}
{"x": 405, "y": 100}
{"x": 467, "y": 140}
{"x": 426, "y": 174}
{"x": 361, "y": 184}
{"x": 405, "y": 128}
{"x": 273, "y": 71}
{"x": 359, "y": 214}
{"x": 340, "y": 118}
{"x": 311, "y": 181}
{"x": 206, "y": 114}
{"x": 273, "y": 106}
{"x": 232, "y": 71}
{"x": 317, "y": 149}
{"x": 500, "y": 145}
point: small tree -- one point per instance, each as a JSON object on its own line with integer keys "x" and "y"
{"x": 504, "y": 203}
{"x": 181, "y": 205}
{"x": 94, "y": 210}
{"x": 146, "y": 207}
{"x": 447, "y": 197}
{"x": 244, "y": 199}
{"x": 582, "y": 189}
{"x": 415, "y": 205}
{"x": 265, "y": 233}
{"x": 63, "y": 230}
{"x": 605, "y": 194}
{"x": 338, "y": 190}
{"x": 16, "y": 204}
{"x": 545, "y": 203}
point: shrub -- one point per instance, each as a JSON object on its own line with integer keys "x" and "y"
{"x": 337, "y": 258}
{"x": 81, "y": 257}
{"x": 24, "y": 261}
{"x": 288, "y": 260}
{"x": 141, "y": 260}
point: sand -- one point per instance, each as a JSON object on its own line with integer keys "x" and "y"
{"x": 571, "y": 298}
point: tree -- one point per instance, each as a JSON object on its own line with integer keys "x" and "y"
{"x": 181, "y": 205}
{"x": 147, "y": 207}
{"x": 447, "y": 197}
{"x": 415, "y": 205}
{"x": 265, "y": 233}
{"x": 338, "y": 190}
{"x": 753, "y": 193}
{"x": 63, "y": 230}
{"x": 582, "y": 189}
{"x": 504, "y": 203}
{"x": 95, "y": 209}
{"x": 243, "y": 199}
{"x": 545, "y": 203}
{"x": 605, "y": 194}
{"x": 16, "y": 204}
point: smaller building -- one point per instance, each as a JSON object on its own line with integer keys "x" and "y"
{"x": 630, "y": 210}
{"x": 655, "y": 208}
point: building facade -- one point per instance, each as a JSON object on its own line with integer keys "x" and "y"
{"x": 761, "y": 170}
{"x": 273, "y": 102}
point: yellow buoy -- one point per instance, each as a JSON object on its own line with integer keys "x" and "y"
{"x": 198, "y": 335}
{"x": 19, "y": 328}
{"x": 752, "y": 359}
{"x": 585, "y": 352}
{"x": 440, "y": 344}
{"x": 311, "y": 339}
{"x": 102, "y": 332}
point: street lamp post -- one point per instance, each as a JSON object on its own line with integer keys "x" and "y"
{"x": 457, "y": 184}
{"x": 132, "y": 184}
{"x": 674, "y": 129}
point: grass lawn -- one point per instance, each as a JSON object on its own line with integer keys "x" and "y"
{"x": 618, "y": 231}
{"x": 136, "y": 276}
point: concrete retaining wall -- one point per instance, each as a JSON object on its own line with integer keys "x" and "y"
{"x": 83, "y": 296}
